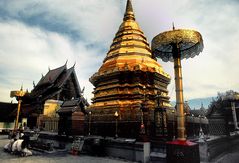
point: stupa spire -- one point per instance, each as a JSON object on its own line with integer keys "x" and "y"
{"x": 129, "y": 13}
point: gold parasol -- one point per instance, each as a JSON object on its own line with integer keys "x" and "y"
{"x": 188, "y": 41}
{"x": 173, "y": 46}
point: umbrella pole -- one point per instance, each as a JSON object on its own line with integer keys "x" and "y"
{"x": 17, "y": 117}
{"x": 179, "y": 95}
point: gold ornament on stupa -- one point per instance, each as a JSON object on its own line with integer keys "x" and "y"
{"x": 129, "y": 78}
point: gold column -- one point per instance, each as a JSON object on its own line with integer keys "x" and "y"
{"x": 179, "y": 97}
{"x": 18, "y": 95}
{"x": 18, "y": 111}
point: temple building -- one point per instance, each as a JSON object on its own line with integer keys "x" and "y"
{"x": 223, "y": 113}
{"x": 129, "y": 85}
{"x": 41, "y": 104}
{"x": 72, "y": 116}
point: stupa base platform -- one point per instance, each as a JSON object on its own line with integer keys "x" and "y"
{"x": 127, "y": 129}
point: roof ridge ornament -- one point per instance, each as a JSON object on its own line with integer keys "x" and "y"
{"x": 129, "y": 13}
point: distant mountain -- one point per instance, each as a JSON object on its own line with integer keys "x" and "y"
{"x": 196, "y": 103}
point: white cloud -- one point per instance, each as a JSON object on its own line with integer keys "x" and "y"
{"x": 27, "y": 52}
{"x": 29, "y": 48}
{"x": 95, "y": 21}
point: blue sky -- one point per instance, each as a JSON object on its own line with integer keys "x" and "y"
{"x": 35, "y": 35}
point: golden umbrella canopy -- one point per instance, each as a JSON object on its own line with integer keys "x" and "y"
{"x": 189, "y": 43}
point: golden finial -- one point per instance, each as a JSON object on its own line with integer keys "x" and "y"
{"x": 129, "y": 13}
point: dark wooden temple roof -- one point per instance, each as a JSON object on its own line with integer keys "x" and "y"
{"x": 58, "y": 84}
{"x": 53, "y": 82}
{"x": 5, "y": 111}
{"x": 73, "y": 105}
{"x": 51, "y": 76}
{"x": 64, "y": 77}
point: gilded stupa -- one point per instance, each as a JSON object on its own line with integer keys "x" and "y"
{"x": 129, "y": 78}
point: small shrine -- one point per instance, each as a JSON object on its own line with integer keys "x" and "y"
{"x": 72, "y": 116}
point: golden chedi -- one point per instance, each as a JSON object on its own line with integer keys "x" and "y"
{"x": 129, "y": 78}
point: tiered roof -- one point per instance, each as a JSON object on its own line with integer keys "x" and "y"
{"x": 53, "y": 82}
{"x": 74, "y": 105}
{"x": 58, "y": 84}
{"x": 51, "y": 76}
